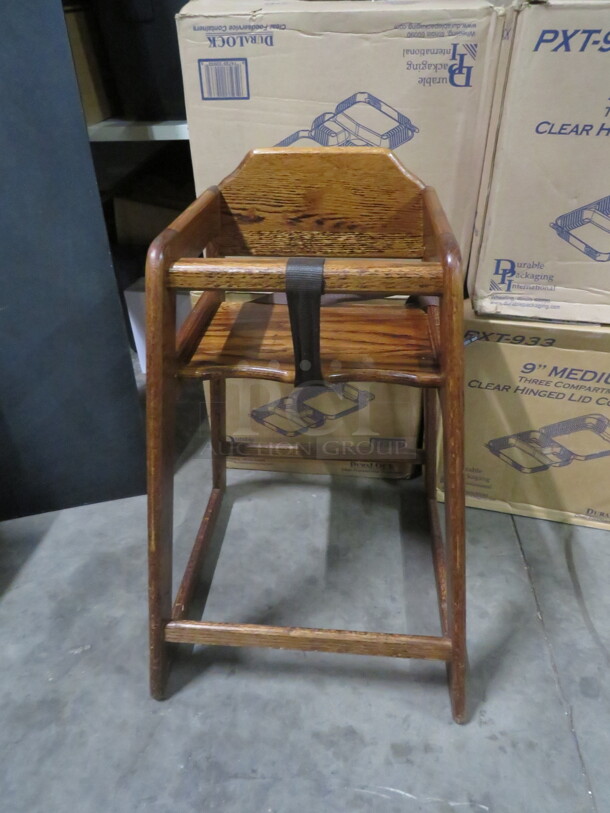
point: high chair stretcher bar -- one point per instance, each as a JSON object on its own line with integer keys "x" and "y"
{"x": 427, "y": 647}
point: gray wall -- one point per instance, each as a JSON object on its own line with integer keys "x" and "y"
{"x": 71, "y": 429}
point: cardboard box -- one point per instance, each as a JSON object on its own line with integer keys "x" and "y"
{"x": 382, "y": 418}
{"x": 538, "y": 419}
{"x": 510, "y": 20}
{"x": 545, "y": 251}
{"x": 411, "y": 75}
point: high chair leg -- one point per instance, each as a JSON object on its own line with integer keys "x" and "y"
{"x": 191, "y": 581}
{"x": 453, "y": 457}
{"x": 218, "y": 395}
{"x": 439, "y": 557}
{"x": 160, "y": 420}
{"x": 160, "y": 520}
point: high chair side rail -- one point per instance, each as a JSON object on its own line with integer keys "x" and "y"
{"x": 187, "y": 236}
{"x": 447, "y": 329}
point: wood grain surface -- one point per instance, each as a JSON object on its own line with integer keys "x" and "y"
{"x": 441, "y": 243}
{"x": 382, "y": 276}
{"x": 319, "y": 640}
{"x": 195, "y": 325}
{"x": 190, "y": 579}
{"x": 358, "y": 202}
{"x": 392, "y": 340}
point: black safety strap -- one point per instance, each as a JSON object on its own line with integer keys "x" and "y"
{"x": 304, "y": 286}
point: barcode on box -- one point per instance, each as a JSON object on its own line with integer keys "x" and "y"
{"x": 224, "y": 79}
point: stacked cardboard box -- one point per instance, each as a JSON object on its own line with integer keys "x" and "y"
{"x": 352, "y": 429}
{"x": 544, "y": 246}
{"x": 411, "y": 75}
{"x": 538, "y": 419}
{"x": 537, "y": 392}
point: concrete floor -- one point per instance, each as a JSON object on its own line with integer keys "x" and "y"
{"x": 262, "y": 731}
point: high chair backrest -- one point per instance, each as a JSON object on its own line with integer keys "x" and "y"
{"x": 336, "y": 202}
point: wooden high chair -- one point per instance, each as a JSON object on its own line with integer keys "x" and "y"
{"x": 267, "y": 227}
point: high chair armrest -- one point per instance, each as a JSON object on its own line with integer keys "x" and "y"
{"x": 189, "y": 233}
{"x": 441, "y": 245}
{"x": 439, "y": 241}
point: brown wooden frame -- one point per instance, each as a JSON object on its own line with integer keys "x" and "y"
{"x": 221, "y": 218}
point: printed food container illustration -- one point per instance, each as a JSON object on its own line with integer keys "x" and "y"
{"x": 361, "y": 120}
{"x": 583, "y": 437}
{"x": 587, "y": 229}
{"x": 309, "y": 407}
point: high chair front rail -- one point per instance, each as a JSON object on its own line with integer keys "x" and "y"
{"x": 380, "y": 231}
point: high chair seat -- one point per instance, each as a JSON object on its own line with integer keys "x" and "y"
{"x": 390, "y": 343}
